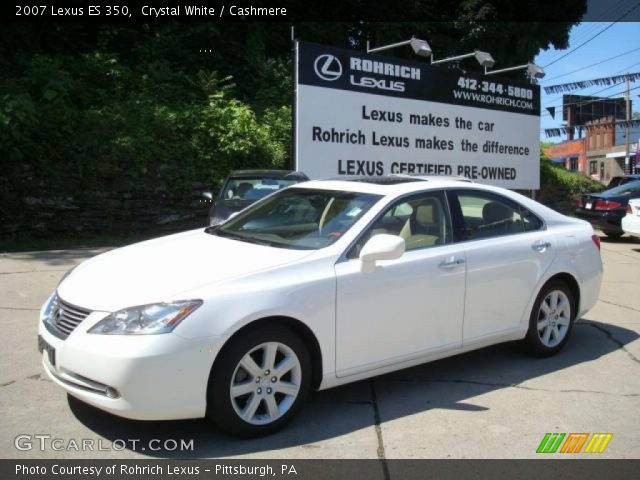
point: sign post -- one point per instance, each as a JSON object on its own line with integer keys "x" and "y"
{"x": 359, "y": 114}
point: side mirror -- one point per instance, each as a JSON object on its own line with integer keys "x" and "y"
{"x": 208, "y": 195}
{"x": 380, "y": 247}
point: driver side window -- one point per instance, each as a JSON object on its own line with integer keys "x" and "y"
{"x": 422, "y": 220}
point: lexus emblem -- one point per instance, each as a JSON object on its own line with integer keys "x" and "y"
{"x": 328, "y": 67}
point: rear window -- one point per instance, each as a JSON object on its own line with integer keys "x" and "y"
{"x": 626, "y": 189}
{"x": 487, "y": 215}
{"x": 253, "y": 189}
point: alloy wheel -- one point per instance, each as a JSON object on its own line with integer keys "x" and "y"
{"x": 554, "y": 318}
{"x": 265, "y": 383}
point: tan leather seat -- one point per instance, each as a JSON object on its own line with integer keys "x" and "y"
{"x": 421, "y": 228}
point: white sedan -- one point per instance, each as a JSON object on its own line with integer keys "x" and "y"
{"x": 631, "y": 221}
{"x": 317, "y": 285}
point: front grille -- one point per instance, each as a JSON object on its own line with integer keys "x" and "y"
{"x": 67, "y": 317}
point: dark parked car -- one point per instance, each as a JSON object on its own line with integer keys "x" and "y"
{"x": 244, "y": 187}
{"x": 622, "y": 179}
{"x": 605, "y": 210}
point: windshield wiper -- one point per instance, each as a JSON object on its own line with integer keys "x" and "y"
{"x": 242, "y": 238}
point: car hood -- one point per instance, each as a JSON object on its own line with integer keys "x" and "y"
{"x": 165, "y": 269}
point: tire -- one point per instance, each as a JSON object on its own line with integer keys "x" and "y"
{"x": 240, "y": 387}
{"x": 614, "y": 235}
{"x": 556, "y": 323}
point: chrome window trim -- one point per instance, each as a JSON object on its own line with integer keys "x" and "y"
{"x": 343, "y": 256}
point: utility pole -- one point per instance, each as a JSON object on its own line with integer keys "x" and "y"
{"x": 627, "y": 159}
{"x": 294, "y": 98}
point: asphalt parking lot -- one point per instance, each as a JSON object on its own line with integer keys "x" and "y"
{"x": 492, "y": 403}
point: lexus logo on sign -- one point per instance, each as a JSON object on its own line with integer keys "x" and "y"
{"x": 328, "y": 67}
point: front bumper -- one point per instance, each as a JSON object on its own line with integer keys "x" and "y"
{"x": 156, "y": 377}
{"x": 608, "y": 221}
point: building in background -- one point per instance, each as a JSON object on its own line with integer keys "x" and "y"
{"x": 602, "y": 152}
{"x": 570, "y": 153}
{"x": 607, "y": 148}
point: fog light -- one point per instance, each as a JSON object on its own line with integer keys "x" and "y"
{"x": 111, "y": 392}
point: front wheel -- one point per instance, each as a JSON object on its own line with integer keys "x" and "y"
{"x": 551, "y": 319}
{"x": 613, "y": 235}
{"x": 259, "y": 382}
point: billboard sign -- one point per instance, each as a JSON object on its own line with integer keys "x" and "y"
{"x": 359, "y": 114}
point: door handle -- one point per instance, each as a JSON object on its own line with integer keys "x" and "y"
{"x": 541, "y": 245}
{"x": 451, "y": 262}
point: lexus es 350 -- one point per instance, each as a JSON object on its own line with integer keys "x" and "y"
{"x": 314, "y": 286}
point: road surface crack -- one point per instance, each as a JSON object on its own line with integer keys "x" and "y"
{"x": 619, "y": 305}
{"x": 31, "y": 271}
{"x": 21, "y": 309}
{"x": 621, "y": 254}
{"x": 376, "y": 416}
{"x": 520, "y": 386}
{"x": 37, "y": 376}
{"x": 610, "y": 336}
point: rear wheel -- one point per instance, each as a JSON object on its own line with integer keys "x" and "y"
{"x": 259, "y": 382}
{"x": 551, "y": 319}
{"x": 613, "y": 235}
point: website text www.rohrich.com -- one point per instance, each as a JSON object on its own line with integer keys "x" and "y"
{"x": 46, "y": 442}
{"x": 490, "y": 99}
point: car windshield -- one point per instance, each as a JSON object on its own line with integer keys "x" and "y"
{"x": 253, "y": 189}
{"x": 298, "y": 218}
{"x": 626, "y": 189}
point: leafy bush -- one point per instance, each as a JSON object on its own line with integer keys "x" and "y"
{"x": 86, "y": 132}
{"x": 560, "y": 188}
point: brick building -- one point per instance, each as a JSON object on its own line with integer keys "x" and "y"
{"x": 601, "y": 153}
{"x": 571, "y": 153}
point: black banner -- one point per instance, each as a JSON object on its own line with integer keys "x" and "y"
{"x": 322, "y": 469}
{"x": 351, "y": 70}
{"x": 97, "y": 11}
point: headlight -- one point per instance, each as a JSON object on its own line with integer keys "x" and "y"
{"x": 146, "y": 319}
{"x": 46, "y": 313}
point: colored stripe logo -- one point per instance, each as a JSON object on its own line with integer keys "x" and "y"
{"x": 574, "y": 442}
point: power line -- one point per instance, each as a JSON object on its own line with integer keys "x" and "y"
{"x": 585, "y": 102}
{"x": 627, "y": 68}
{"x": 594, "y": 64}
{"x": 582, "y": 44}
{"x": 590, "y": 95}
{"x": 554, "y": 99}
{"x": 593, "y": 82}
{"x": 606, "y": 12}
{"x": 578, "y": 38}
{"x": 595, "y": 36}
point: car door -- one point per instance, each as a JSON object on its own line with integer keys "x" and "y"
{"x": 408, "y": 306}
{"x": 507, "y": 251}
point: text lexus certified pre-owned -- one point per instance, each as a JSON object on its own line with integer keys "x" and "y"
{"x": 320, "y": 284}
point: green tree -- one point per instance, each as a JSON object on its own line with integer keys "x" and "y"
{"x": 93, "y": 115}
